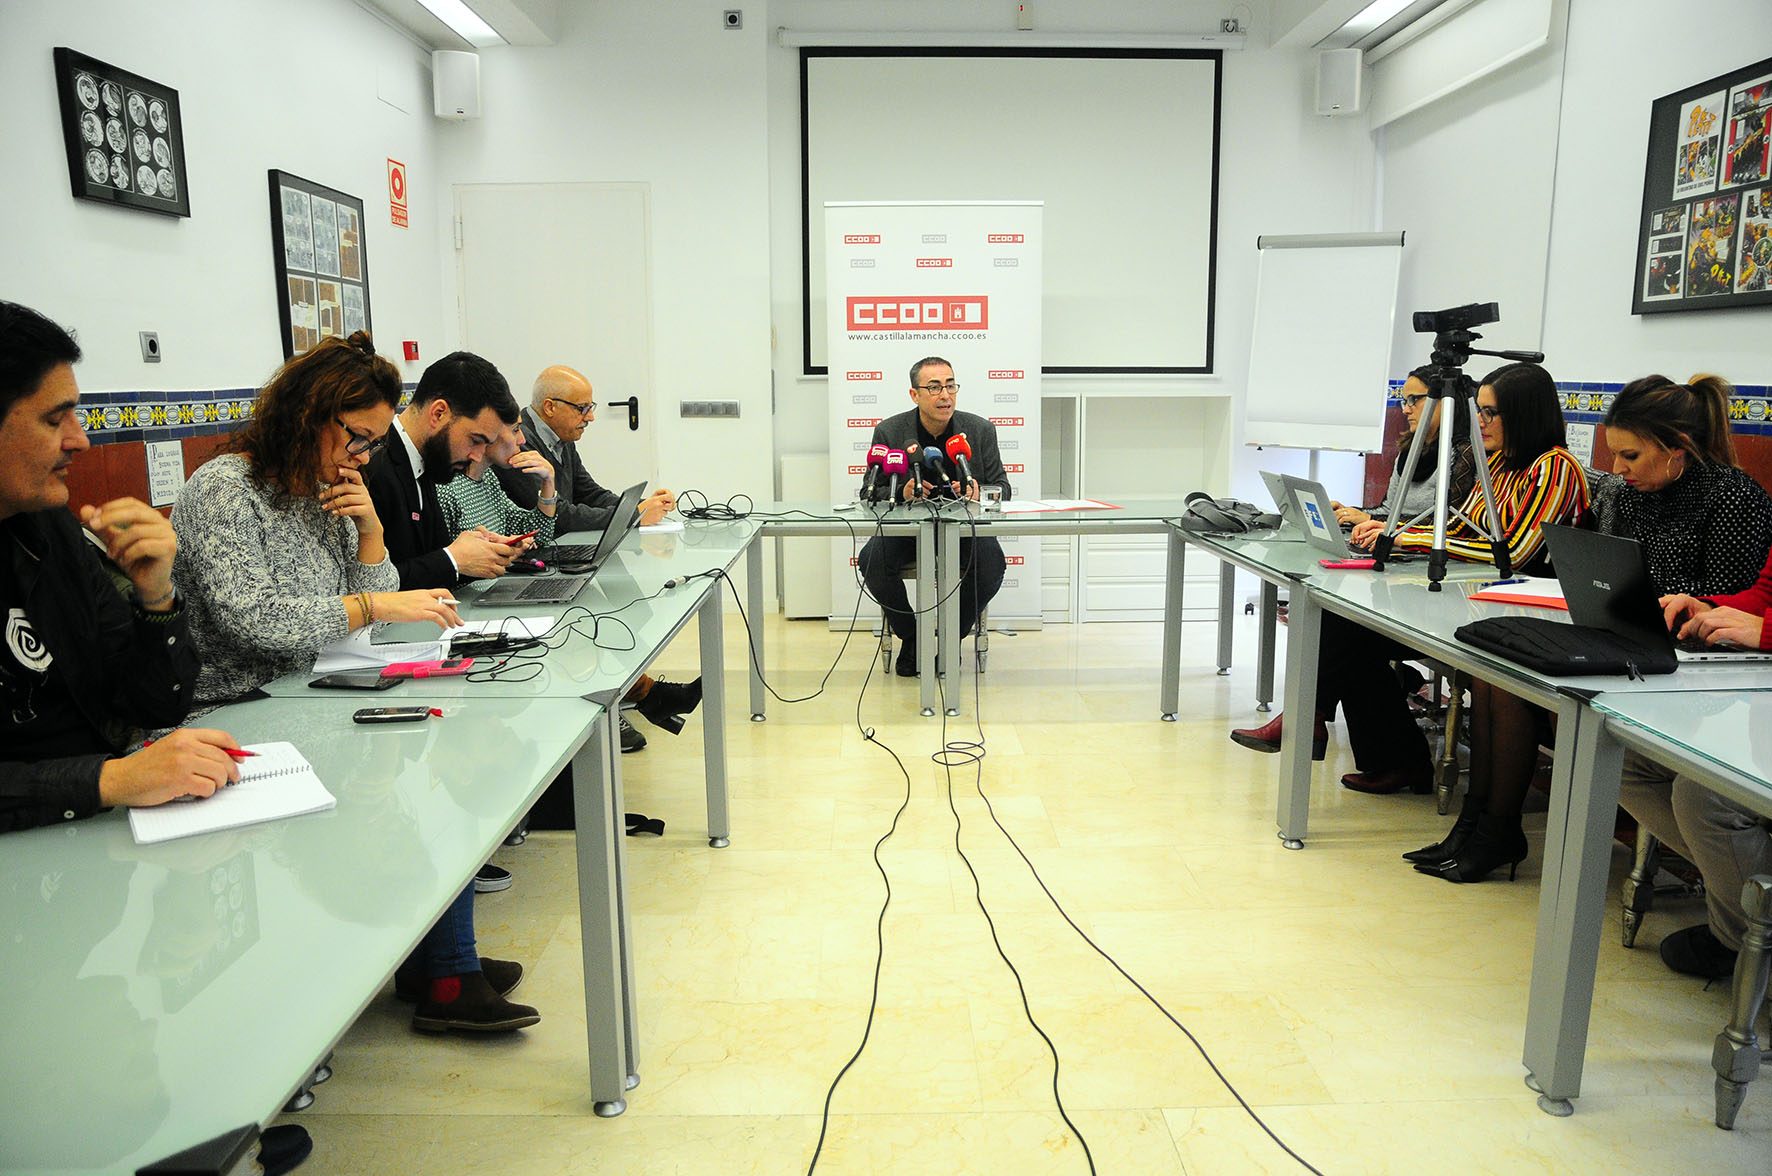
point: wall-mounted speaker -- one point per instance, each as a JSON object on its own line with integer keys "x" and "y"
{"x": 1341, "y": 81}
{"x": 455, "y": 84}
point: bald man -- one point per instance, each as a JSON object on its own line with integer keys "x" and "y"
{"x": 560, "y": 406}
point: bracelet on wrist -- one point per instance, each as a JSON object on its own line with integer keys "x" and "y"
{"x": 158, "y": 600}
{"x": 549, "y": 500}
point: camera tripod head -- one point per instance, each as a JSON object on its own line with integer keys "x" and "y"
{"x": 1451, "y": 329}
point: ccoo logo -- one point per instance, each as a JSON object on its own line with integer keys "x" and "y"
{"x": 861, "y": 238}
{"x": 1009, "y": 421}
{"x": 858, "y": 469}
{"x": 1005, "y": 238}
{"x": 863, "y": 422}
{"x": 865, "y": 376}
{"x": 871, "y": 312}
{"x": 1015, "y": 469}
{"x": 1014, "y": 560}
{"x": 935, "y": 263}
{"x": 1006, "y": 374}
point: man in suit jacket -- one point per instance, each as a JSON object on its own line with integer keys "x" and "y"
{"x": 929, "y": 425}
{"x": 461, "y": 405}
{"x": 560, "y": 406}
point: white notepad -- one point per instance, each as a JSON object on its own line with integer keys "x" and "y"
{"x": 278, "y": 782}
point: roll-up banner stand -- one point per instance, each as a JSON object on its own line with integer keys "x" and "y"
{"x": 959, "y": 280}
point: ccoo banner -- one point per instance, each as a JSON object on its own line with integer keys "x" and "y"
{"x": 957, "y": 280}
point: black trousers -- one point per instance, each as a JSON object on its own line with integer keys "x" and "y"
{"x": 884, "y": 556}
{"x": 1354, "y": 670}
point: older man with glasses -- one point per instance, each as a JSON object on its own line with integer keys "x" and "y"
{"x": 930, "y": 425}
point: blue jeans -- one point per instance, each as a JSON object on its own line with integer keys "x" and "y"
{"x": 448, "y": 948}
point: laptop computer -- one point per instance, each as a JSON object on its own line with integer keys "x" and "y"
{"x": 562, "y": 589}
{"x": 561, "y": 553}
{"x": 1606, "y": 583}
{"x": 1316, "y": 517}
{"x": 1283, "y": 500}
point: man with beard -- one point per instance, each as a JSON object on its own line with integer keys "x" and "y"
{"x": 460, "y": 407}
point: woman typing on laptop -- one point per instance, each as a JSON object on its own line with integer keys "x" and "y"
{"x": 1536, "y": 481}
{"x": 1704, "y": 526}
{"x": 280, "y": 552}
{"x": 1418, "y": 495}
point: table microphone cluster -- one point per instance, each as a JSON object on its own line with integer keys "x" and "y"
{"x": 888, "y": 469}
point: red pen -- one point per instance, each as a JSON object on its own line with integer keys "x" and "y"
{"x": 238, "y": 755}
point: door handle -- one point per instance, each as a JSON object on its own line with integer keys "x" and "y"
{"x": 632, "y": 404}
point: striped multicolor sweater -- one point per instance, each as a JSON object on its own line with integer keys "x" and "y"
{"x": 1552, "y": 489}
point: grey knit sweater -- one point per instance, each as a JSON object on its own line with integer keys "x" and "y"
{"x": 262, "y": 574}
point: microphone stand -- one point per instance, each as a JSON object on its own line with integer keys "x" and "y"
{"x": 1451, "y": 350}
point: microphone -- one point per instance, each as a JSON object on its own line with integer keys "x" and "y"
{"x": 895, "y": 465}
{"x": 916, "y": 466}
{"x": 936, "y": 473}
{"x": 961, "y": 451}
{"x": 876, "y": 458}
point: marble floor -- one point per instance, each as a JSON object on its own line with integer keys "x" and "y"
{"x": 1370, "y": 1016}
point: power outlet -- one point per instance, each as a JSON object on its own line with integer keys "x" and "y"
{"x": 732, "y": 18}
{"x": 150, "y": 346}
{"x": 723, "y": 408}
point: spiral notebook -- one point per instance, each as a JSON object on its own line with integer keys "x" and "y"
{"x": 278, "y": 782}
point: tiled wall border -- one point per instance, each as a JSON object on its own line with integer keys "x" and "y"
{"x": 114, "y": 417}
{"x": 1586, "y": 402}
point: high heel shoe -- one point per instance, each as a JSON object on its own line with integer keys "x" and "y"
{"x": 666, "y": 703}
{"x": 1449, "y": 846}
{"x": 1267, "y": 737}
{"x": 1497, "y": 841}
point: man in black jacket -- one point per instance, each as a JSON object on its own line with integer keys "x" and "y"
{"x": 930, "y": 425}
{"x": 460, "y": 407}
{"x": 560, "y": 406}
{"x": 95, "y": 651}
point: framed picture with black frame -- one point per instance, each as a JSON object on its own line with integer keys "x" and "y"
{"x": 125, "y": 136}
{"x": 1704, "y": 238}
{"x": 321, "y": 264}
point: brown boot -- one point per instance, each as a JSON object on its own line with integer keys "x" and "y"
{"x": 469, "y": 1004}
{"x": 1267, "y": 738}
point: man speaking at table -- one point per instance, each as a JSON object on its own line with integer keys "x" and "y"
{"x": 932, "y": 425}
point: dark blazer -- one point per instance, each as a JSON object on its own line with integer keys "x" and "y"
{"x": 411, "y": 520}
{"x": 127, "y": 670}
{"x": 584, "y": 505}
{"x": 905, "y": 429}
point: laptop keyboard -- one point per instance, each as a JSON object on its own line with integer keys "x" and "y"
{"x": 566, "y": 553}
{"x": 545, "y": 589}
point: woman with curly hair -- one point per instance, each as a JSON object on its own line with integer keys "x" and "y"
{"x": 280, "y": 553}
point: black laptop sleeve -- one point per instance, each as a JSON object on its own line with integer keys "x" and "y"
{"x": 1552, "y": 647}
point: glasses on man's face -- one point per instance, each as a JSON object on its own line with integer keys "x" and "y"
{"x": 1411, "y": 403}
{"x": 935, "y": 389}
{"x": 583, "y": 410}
{"x": 361, "y": 444}
{"x": 1487, "y": 414}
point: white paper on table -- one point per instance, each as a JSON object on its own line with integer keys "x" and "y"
{"x": 663, "y": 527}
{"x": 1024, "y": 506}
{"x": 357, "y": 652}
{"x": 507, "y": 626}
{"x": 1078, "y": 504}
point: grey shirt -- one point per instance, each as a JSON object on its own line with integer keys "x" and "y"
{"x": 263, "y": 575}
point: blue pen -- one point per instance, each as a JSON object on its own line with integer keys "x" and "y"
{"x": 1498, "y": 584}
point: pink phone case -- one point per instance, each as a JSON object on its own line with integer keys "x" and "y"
{"x": 448, "y": 668}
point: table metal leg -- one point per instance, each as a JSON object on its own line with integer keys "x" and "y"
{"x": 602, "y": 915}
{"x": 1173, "y": 585}
{"x": 1227, "y": 614}
{"x": 1267, "y": 633}
{"x": 754, "y": 634}
{"x": 1304, "y": 624}
{"x": 713, "y": 712}
{"x": 948, "y": 619}
{"x": 927, "y": 584}
{"x": 1571, "y": 903}
{"x": 1736, "y": 1055}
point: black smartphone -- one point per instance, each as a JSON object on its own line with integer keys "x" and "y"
{"x": 391, "y": 714}
{"x": 354, "y": 680}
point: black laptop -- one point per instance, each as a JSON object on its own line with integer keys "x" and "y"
{"x": 1606, "y": 583}
{"x": 562, "y": 589}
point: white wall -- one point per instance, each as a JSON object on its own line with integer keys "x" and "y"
{"x": 206, "y": 284}
{"x": 660, "y": 94}
{"x": 1618, "y": 64}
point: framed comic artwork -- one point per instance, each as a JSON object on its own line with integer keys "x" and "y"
{"x": 1705, "y": 237}
{"x": 322, "y": 266}
{"x": 125, "y": 138}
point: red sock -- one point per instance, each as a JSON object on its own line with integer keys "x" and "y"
{"x": 445, "y": 989}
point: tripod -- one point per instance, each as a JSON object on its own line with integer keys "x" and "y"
{"x": 1452, "y": 348}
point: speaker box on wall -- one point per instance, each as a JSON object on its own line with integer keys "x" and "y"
{"x": 1341, "y": 81}
{"x": 455, "y": 84}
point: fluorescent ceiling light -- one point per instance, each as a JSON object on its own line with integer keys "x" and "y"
{"x": 1381, "y": 20}
{"x": 464, "y": 22}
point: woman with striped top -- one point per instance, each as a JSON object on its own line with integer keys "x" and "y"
{"x": 473, "y": 500}
{"x": 1705, "y": 527}
{"x": 1536, "y": 481}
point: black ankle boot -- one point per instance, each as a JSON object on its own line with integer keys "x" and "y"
{"x": 1497, "y": 841}
{"x": 1447, "y": 848}
{"x": 666, "y": 703}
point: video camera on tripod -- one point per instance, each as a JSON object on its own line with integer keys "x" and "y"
{"x": 1453, "y": 336}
